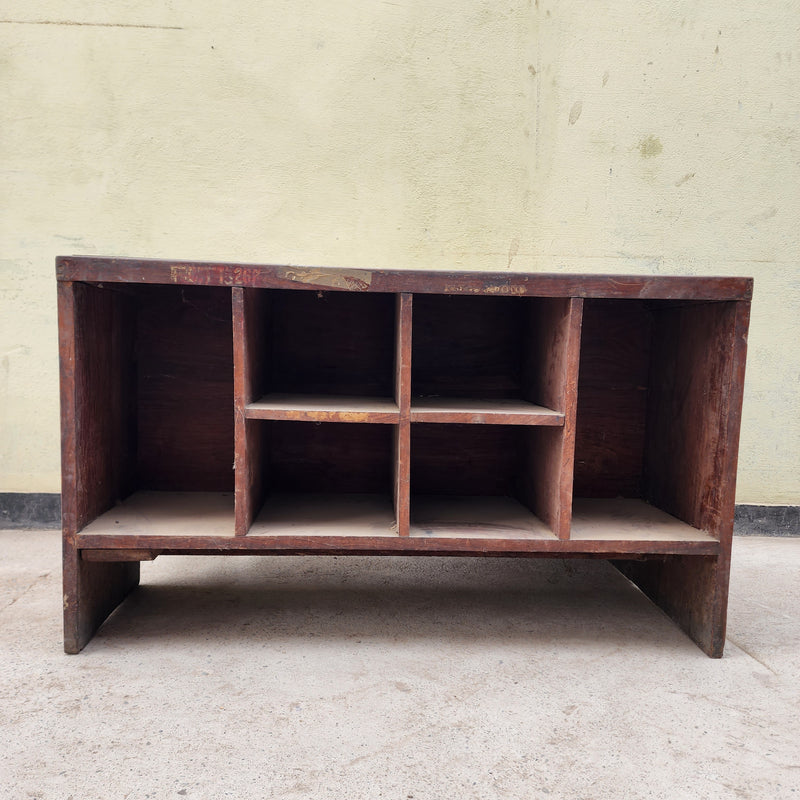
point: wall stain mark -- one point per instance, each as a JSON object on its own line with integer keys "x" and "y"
{"x": 687, "y": 177}
{"x": 575, "y": 112}
{"x": 650, "y": 147}
{"x": 70, "y": 23}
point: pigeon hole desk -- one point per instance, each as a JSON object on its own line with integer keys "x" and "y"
{"x": 240, "y": 409}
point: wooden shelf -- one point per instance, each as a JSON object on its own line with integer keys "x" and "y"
{"x": 482, "y": 412}
{"x": 322, "y": 514}
{"x": 453, "y": 517}
{"x": 622, "y": 519}
{"x": 323, "y": 408}
{"x": 170, "y": 514}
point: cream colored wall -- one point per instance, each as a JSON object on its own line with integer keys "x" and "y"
{"x": 623, "y": 136}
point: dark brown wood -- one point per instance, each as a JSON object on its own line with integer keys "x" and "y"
{"x": 356, "y": 417}
{"x": 401, "y": 444}
{"x": 251, "y": 364}
{"x": 551, "y": 376}
{"x": 700, "y": 355}
{"x": 91, "y": 592}
{"x": 127, "y": 270}
{"x": 119, "y": 555}
{"x": 185, "y": 417}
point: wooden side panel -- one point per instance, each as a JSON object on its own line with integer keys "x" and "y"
{"x": 693, "y": 437}
{"x": 689, "y": 471}
{"x": 92, "y": 591}
{"x": 692, "y": 590}
{"x": 401, "y": 449}
{"x": 250, "y": 367}
{"x": 551, "y": 379}
{"x": 98, "y": 440}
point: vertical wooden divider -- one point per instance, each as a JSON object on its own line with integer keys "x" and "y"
{"x": 402, "y": 433}
{"x": 249, "y": 368}
{"x": 552, "y": 381}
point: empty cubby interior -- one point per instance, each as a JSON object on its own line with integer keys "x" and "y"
{"x": 487, "y": 348}
{"x": 651, "y": 392}
{"x": 338, "y": 475}
{"x": 321, "y": 342}
{"x": 154, "y": 372}
{"x": 475, "y": 476}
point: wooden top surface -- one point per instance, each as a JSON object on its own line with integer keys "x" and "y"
{"x": 653, "y": 287}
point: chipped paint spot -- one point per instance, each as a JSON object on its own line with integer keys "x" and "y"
{"x": 605, "y": 77}
{"x": 687, "y": 177}
{"x": 575, "y": 112}
{"x": 354, "y": 280}
{"x": 513, "y": 249}
{"x": 180, "y": 273}
{"x": 532, "y": 70}
{"x": 650, "y": 147}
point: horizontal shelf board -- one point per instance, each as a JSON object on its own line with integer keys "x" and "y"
{"x": 623, "y": 519}
{"x": 453, "y": 517}
{"x": 328, "y": 515}
{"x": 324, "y": 408}
{"x": 497, "y": 412}
{"x": 172, "y": 514}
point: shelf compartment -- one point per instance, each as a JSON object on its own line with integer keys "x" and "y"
{"x": 165, "y": 514}
{"x": 651, "y": 412}
{"x": 486, "y": 412}
{"x": 476, "y": 480}
{"x": 454, "y": 517}
{"x": 629, "y": 520}
{"x": 324, "y": 408}
{"x": 319, "y": 343}
{"x": 307, "y": 459}
{"x": 325, "y": 514}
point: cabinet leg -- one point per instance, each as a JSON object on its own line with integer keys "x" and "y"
{"x": 92, "y": 590}
{"x": 692, "y": 590}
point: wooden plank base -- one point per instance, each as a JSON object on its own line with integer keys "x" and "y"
{"x": 691, "y": 590}
{"x": 92, "y": 590}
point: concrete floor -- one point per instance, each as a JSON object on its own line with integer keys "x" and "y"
{"x": 396, "y": 678}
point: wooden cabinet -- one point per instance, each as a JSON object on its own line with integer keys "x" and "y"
{"x": 225, "y": 408}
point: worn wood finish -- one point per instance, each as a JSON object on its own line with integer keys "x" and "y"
{"x": 483, "y": 412}
{"x": 480, "y": 393}
{"x": 612, "y": 398}
{"x": 324, "y": 408}
{"x": 401, "y": 443}
{"x": 128, "y": 270}
{"x": 692, "y": 460}
{"x": 185, "y": 417}
{"x": 551, "y": 377}
{"x": 687, "y": 428}
{"x": 331, "y": 343}
{"x": 91, "y": 592}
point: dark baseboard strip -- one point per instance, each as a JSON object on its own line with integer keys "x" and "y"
{"x": 38, "y": 510}
{"x": 766, "y": 520}
{"x": 30, "y": 510}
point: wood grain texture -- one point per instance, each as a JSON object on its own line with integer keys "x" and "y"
{"x": 692, "y": 366}
{"x": 692, "y": 591}
{"x": 551, "y": 377}
{"x": 91, "y": 592}
{"x": 324, "y": 408}
{"x": 612, "y": 399}
{"x": 127, "y": 270}
{"x": 185, "y": 376}
{"x": 483, "y": 412}
{"x": 331, "y": 343}
{"x": 401, "y": 442}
